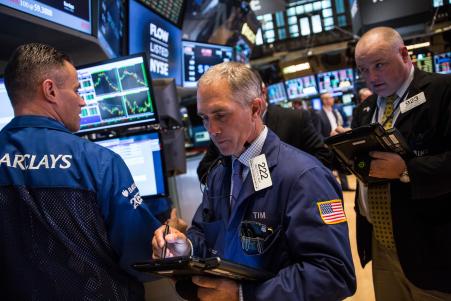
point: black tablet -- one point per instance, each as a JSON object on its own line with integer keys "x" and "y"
{"x": 191, "y": 266}
{"x": 352, "y": 148}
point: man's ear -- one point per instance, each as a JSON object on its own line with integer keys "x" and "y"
{"x": 257, "y": 107}
{"x": 49, "y": 90}
{"x": 404, "y": 53}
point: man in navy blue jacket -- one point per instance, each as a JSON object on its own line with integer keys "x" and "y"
{"x": 71, "y": 217}
{"x": 277, "y": 209}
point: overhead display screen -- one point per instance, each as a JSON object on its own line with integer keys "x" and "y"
{"x": 111, "y": 26}
{"x": 157, "y": 37}
{"x": 301, "y": 87}
{"x": 171, "y": 10}
{"x": 198, "y": 57}
{"x": 117, "y": 93}
{"x": 69, "y": 13}
{"x": 336, "y": 81}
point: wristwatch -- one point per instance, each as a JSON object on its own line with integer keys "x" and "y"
{"x": 404, "y": 177}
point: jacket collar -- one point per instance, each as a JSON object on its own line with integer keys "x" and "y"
{"x": 32, "y": 121}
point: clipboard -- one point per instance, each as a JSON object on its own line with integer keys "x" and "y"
{"x": 192, "y": 266}
{"x": 352, "y": 148}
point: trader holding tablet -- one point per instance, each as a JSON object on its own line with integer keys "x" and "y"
{"x": 403, "y": 225}
{"x": 266, "y": 204}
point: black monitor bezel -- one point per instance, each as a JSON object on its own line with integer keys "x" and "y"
{"x": 122, "y": 126}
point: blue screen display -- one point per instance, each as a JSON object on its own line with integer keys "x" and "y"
{"x": 143, "y": 155}
{"x": 160, "y": 39}
{"x": 277, "y": 93}
{"x": 69, "y": 13}
{"x": 442, "y": 63}
{"x": 111, "y": 26}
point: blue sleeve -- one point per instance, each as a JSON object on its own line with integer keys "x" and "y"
{"x": 129, "y": 220}
{"x": 323, "y": 268}
{"x": 195, "y": 232}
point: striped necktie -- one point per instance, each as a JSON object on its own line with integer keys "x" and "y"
{"x": 379, "y": 194}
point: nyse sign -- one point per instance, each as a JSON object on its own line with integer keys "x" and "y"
{"x": 159, "y": 50}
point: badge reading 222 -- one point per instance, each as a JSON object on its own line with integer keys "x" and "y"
{"x": 261, "y": 177}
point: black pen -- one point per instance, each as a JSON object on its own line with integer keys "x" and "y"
{"x": 166, "y": 232}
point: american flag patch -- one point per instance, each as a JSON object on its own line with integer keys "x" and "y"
{"x": 332, "y": 212}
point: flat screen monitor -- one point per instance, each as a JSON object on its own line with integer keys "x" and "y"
{"x": 70, "y": 13}
{"x": 423, "y": 61}
{"x": 161, "y": 40}
{"x": 143, "y": 155}
{"x": 347, "y": 98}
{"x": 316, "y": 104}
{"x": 442, "y": 63}
{"x": 198, "y": 57}
{"x": 111, "y": 27}
{"x": 6, "y": 110}
{"x": 242, "y": 51}
{"x": 301, "y": 87}
{"x": 276, "y": 93}
{"x": 171, "y": 10}
{"x": 335, "y": 81}
{"x": 117, "y": 92}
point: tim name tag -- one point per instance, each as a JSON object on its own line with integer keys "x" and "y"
{"x": 260, "y": 172}
{"x": 412, "y": 102}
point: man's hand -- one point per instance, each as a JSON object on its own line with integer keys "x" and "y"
{"x": 386, "y": 165}
{"x": 177, "y": 243}
{"x": 218, "y": 289}
{"x": 176, "y": 222}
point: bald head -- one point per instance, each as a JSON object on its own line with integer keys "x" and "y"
{"x": 381, "y": 35}
{"x": 383, "y": 60}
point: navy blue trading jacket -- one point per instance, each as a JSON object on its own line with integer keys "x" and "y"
{"x": 293, "y": 232}
{"x": 71, "y": 218}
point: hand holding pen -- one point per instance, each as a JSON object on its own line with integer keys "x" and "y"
{"x": 166, "y": 232}
{"x": 169, "y": 242}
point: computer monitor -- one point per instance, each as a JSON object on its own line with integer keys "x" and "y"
{"x": 143, "y": 156}
{"x": 198, "y": 57}
{"x": 423, "y": 60}
{"x": 316, "y": 104}
{"x": 347, "y": 98}
{"x": 335, "y": 81}
{"x": 158, "y": 38}
{"x": 168, "y": 105}
{"x": 171, "y": 10}
{"x": 76, "y": 15}
{"x": 242, "y": 51}
{"x": 117, "y": 92}
{"x": 6, "y": 109}
{"x": 443, "y": 63}
{"x": 301, "y": 87}
{"x": 111, "y": 27}
{"x": 276, "y": 93}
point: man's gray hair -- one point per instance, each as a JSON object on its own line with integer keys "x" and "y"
{"x": 244, "y": 84}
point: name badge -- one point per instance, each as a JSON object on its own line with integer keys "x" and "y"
{"x": 412, "y": 102}
{"x": 261, "y": 176}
